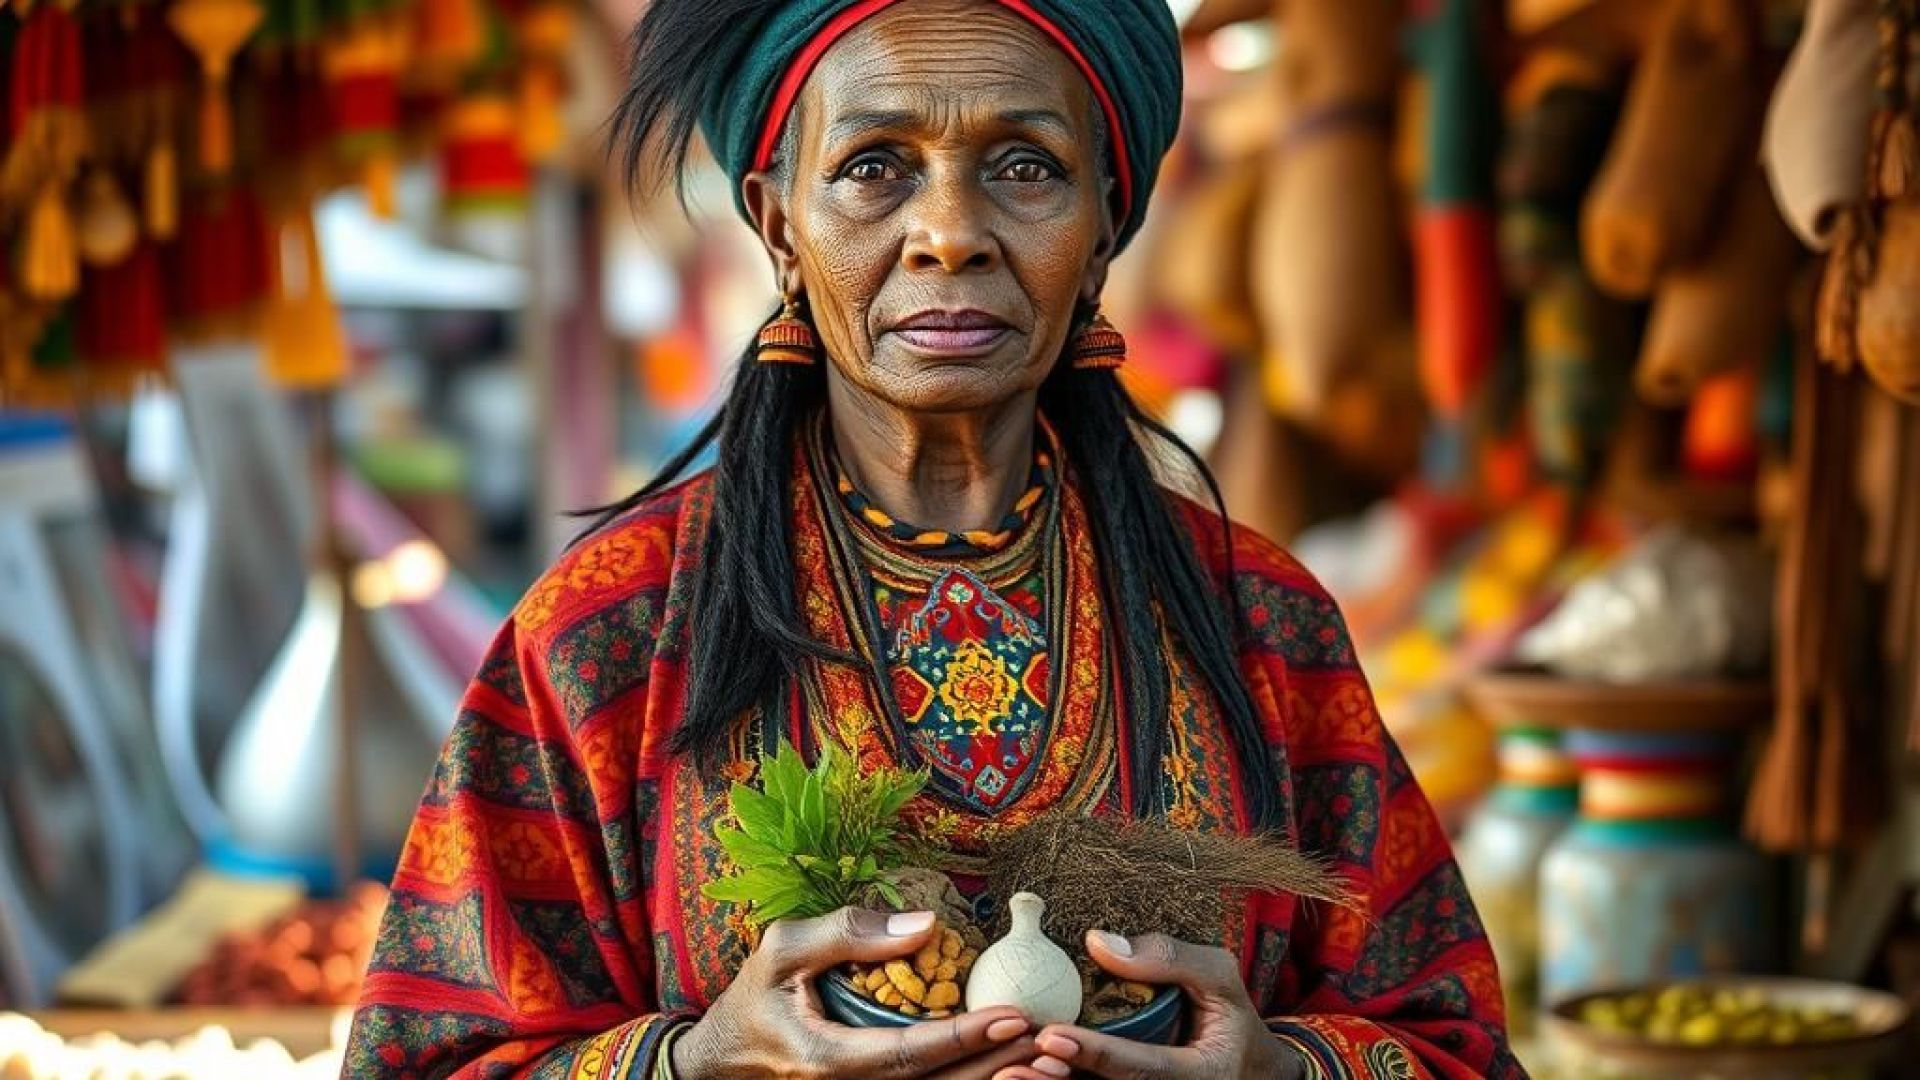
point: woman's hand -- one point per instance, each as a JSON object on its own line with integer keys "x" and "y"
{"x": 1229, "y": 1041}
{"x": 768, "y": 1023}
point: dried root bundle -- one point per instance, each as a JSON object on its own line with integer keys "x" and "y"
{"x": 1138, "y": 877}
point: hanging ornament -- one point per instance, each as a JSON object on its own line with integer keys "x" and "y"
{"x": 50, "y": 262}
{"x": 1684, "y": 125}
{"x": 215, "y": 30}
{"x": 450, "y": 36}
{"x": 481, "y": 166}
{"x": 545, "y": 30}
{"x": 120, "y": 323}
{"x": 1886, "y": 274}
{"x": 1724, "y": 308}
{"x": 1720, "y": 443}
{"x": 299, "y": 160}
{"x": 108, "y": 228}
{"x": 46, "y": 122}
{"x": 362, "y": 67}
{"x": 46, "y": 137}
{"x": 1574, "y": 339}
{"x": 305, "y": 349}
{"x": 157, "y": 81}
{"x": 1457, "y": 277}
{"x": 21, "y": 324}
{"x": 216, "y": 269}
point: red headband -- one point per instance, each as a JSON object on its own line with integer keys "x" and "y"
{"x": 809, "y": 55}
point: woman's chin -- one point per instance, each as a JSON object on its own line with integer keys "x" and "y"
{"x": 940, "y": 385}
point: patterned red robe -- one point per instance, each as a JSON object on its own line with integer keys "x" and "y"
{"x": 547, "y": 920}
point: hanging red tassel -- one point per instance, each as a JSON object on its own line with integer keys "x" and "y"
{"x": 362, "y": 67}
{"x": 216, "y": 271}
{"x": 46, "y": 122}
{"x": 120, "y": 327}
{"x": 481, "y": 165}
{"x": 157, "y": 81}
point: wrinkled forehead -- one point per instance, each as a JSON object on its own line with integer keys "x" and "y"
{"x": 934, "y": 62}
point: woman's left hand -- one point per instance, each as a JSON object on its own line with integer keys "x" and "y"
{"x": 1229, "y": 1039}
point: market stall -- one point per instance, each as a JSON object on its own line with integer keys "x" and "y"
{"x": 1572, "y": 343}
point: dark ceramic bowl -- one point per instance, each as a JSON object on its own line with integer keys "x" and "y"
{"x": 1157, "y": 1022}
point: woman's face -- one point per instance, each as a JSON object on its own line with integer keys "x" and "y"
{"x": 944, "y": 208}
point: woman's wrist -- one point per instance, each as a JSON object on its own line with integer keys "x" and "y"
{"x": 673, "y": 1062}
{"x": 1284, "y": 1060}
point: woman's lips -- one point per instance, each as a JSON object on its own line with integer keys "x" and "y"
{"x": 953, "y": 341}
{"x": 951, "y": 333}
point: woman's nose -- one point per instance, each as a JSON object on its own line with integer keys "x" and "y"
{"x": 948, "y": 230}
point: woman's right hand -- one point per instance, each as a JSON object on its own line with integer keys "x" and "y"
{"x": 768, "y": 1023}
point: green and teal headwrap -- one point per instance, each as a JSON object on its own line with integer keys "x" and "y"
{"x": 1129, "y": 51}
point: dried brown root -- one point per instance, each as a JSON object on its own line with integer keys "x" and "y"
{"x": 1138, "y": 877}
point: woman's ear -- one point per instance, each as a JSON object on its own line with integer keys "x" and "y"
{"x": 767, "y": 209}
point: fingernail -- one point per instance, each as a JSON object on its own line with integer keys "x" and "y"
{"x": 1114, "y": 943}
{"x": 1059, "y": 1046}
{"x": 908, "y": 923}
{"x": 1052, "y": 1066}
{"x": 1008, "y": 1029}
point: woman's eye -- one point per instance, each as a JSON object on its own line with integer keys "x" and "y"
{"x": 1029, "y": 171}
{"x": 871, "y": 170}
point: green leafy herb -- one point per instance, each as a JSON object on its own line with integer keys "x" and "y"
{"x": 810, "y": 841}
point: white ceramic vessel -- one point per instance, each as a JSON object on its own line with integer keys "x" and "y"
{"x": 1026, "y": 970}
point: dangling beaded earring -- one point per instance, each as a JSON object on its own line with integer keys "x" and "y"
{"x": 787, "y": 339}
{"x": 1098, "y": 346}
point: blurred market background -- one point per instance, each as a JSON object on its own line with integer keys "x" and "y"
{"x": 1574, "y": 343}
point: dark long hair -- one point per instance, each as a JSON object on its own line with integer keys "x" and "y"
{"x": 746, "y": 637}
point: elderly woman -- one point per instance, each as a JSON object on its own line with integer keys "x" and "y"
{"x": 940, "y": 185}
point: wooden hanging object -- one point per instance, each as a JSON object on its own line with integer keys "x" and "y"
{"x": 1815, "y": 789}
{"x": 1815, "y": 145}
{"x": 1860, "y": 230}
{"x": 215, "y": 30}
{"x": 1889, "y": 305}
{"x": 1725, "y": 309}
{"x": 1329, "y": 267}
{"x": 1202, "y": 269}
{"x": 1653, "y": 202}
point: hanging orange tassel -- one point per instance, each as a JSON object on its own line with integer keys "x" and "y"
{"x": 215, "y": 30}
{"x": 544, "y": 31}
{"x": 450, "y": 36}
{"x": 50, "y": 266}
{"x": 305, "y": 348}
{"x": 162, "y": 195}
{"x": 1898, "y": 152}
